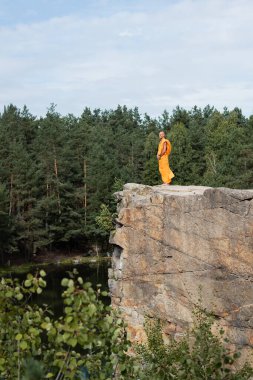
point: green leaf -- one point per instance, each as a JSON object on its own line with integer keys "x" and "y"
{"x": 68, "y": 309}
{"x": 42, "y": 273}
{"x": 19, "y": 296}
{"x": 64, "y": 282}
{"x": 70, "y": 283}
{"x": 28, "y": 283}
{"x": 42, "y": 283}
{"x": 92, "y": 309}
{"x": 65, "y": 336}
{"x": 46, "y": 325}
{"x": 72, "y": 342}
{"x": 18, "y": 336}
{"x": 49, "y": 375}
{"x": 23, "y": 345}
{"x": 39, "y": 290}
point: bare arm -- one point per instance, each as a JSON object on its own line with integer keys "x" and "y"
{"x": 163, "y": 150}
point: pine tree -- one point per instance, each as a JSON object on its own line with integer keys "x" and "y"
{"x": 181, "y": 155}
{"x": 7, "y": 228}
{"x": 151, "y": 173}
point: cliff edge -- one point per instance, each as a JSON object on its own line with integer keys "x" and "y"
{"x": 175, "y": 243}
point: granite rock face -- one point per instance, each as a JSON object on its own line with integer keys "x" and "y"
{"x": 175, "y": 243}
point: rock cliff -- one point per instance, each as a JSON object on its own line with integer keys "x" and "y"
{"x": 173, "y": 243}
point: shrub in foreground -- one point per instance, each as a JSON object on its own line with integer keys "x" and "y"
{"x": 196, "y": 356}
{"x": 89, "y": 338}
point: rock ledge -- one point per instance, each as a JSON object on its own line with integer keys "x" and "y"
{"x": 173, "y": 243}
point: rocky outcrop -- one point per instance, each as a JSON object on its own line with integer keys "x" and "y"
{"x": 175, "y": 243}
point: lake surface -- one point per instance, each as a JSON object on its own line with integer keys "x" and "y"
{"x": 92, "y": 271}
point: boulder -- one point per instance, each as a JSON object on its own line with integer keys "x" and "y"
{"x": 175, "y": 245}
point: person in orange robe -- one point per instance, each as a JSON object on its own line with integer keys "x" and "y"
{"x": 164, "y": 149}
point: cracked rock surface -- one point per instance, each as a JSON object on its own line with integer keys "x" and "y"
{"x": 174, "y": 244}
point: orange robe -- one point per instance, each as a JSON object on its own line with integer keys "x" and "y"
{"x": 164, "y": 167}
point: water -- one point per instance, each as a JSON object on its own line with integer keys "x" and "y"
{"x": 94, "y": 272}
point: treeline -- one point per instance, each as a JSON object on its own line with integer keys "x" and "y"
{"x": 56, "y": 171}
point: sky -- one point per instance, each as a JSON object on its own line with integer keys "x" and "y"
{"x": 150, "y": 54}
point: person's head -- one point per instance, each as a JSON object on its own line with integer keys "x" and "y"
{"x": 161, "y": 135}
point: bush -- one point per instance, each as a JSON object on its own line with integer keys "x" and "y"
{"x": 198, "y": 355}
{"x": 89, "y": 338}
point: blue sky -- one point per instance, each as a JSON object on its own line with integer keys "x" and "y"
{"x": 151, "y": 54}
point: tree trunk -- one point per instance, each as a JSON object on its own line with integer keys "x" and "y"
{"x": 57, "y": 182}
{"x": 11, "y": 193}
{"x": 85, "y": 190}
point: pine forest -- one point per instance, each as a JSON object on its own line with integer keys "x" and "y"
{"x": 58, "y": 173}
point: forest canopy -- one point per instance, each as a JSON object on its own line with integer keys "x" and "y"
{"x": 56, "y": 171}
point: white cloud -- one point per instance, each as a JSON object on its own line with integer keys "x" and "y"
{"x": 126, "y": 33}
{"x": 187, "y": 52}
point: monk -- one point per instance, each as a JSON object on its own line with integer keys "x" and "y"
{"x": 164, "y": 149}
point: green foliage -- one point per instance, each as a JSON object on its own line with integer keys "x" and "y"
{"x": 105, "y": 219}
{"x": 20, "y": 323}
{"x": 118, "y": 185}
{"x": 7, "y": 227}
{"x": 151, "y": 174}
{"x": 33, "y": 370}
{"x": 57, "y": 170}
{"x": 88, "y": 341}
{"x": 108, "y": 213}
{"x": 88, "y": 335}
{"x": 197, "y": 355}
{"x": 181, "y": 156}
{"x": 226, "y": 147}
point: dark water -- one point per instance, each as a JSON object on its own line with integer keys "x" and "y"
{"x": 95, "y": 272}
